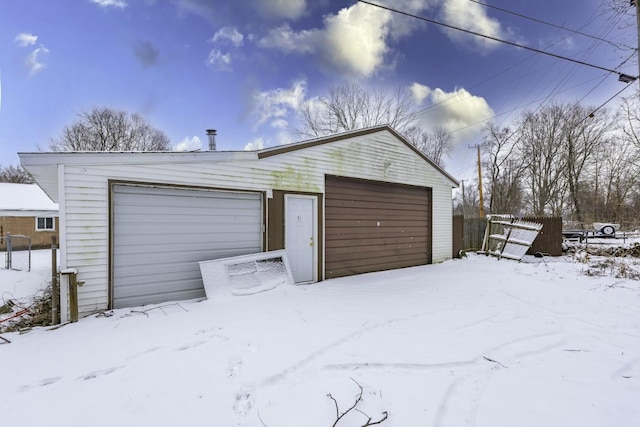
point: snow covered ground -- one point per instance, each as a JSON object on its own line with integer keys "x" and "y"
{"x": 471, "y": 342}
{"x": 21, "y": 284}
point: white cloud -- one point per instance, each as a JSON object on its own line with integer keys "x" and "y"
{"x": 273, "y": 106}
{"x": 256, "y": 144}
{"x": 287, "y": 9}
{"x": 473, "y": 17}
{"x": 25, "y": 39}
{"x": 119, "y": 4}
{"x": 285, "y": 39}
{"x": 228, "y": 35}
{"x": 33, "y": 60}
{"x": 189, "y": 144}
{"x": 229, "y": 38}
{"x": 219, "y": 60}
{"x": 279, "y": 124}
{"x": 354, "y": 41}
{"x": 458, "y": 112}
{"x": 356, "y": 38}
{"x": 420, "y": 92}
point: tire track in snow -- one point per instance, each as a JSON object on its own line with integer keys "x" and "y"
{"x": 274, "y": 379}
{"x": 460, "y": 402}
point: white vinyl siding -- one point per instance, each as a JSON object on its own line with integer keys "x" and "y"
{"x": 378, "y": 156}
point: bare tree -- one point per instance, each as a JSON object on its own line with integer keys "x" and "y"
{"x": 583, "y": 135}
{"x": 15, "y": 174}
{"x": 351, "y": 106}
{"x": 541, "y": 149}
{"x": 435, "y": 144}
{"x": 467, "y": 201}
{"x": 615, "y": 178}
{"x": 631, "y": 115}
{"x": 106, "y": 129}
{"x": 504, "y": 169}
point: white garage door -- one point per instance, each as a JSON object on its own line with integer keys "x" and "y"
{"x": 160, "y": 234}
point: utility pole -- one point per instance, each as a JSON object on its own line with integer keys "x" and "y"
{"x": 637, "y": 5}
{"x": 477, "y": 146}
{"x": 464, "y": 200}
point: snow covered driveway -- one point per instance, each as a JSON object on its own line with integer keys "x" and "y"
{"x": 472, "y": 342}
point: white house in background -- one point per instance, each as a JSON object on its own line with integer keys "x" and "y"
{"x": 26, "y": 210}
{"x": 135, "y": 224}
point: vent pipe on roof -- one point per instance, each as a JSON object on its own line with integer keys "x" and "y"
{"x": 211, "y": 134}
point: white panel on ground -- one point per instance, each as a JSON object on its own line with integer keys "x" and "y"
{"x": 246, "y": 274}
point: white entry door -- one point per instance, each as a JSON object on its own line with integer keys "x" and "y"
{"x": 300, "y": 236}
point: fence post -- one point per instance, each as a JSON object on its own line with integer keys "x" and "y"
{"x": 73, "y": 297}
{"x": 29, "y": 254}
{"x": 9, "y": 250}
{"x": 55, "y": 290}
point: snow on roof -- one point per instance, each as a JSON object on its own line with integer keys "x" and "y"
{"x": 24, "y": 200}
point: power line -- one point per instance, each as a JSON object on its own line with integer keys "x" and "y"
{"x": 540, "y": 21}
{"x": 519, "y": 107}
{"x": 604, "y": 78}
{"x": 605, "y": 103}
{"x": 432, "y": 21}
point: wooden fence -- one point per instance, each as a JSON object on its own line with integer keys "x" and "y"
{"x": 549, "y": 240}
{"x": 468, "y": 234}
{"x": 458, "y": 235}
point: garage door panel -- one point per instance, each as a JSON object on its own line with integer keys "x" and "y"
{"x": 198, "y": 243}
{"x": 139, "y": 273}
{"x": 139, "y": 284}
{"x": 381, "y": 224}
{"x": 355, "y": 232}
{"x": 234, "y": 207}
{"x": 366, "y": 266}
{"x": 367, "y": 249}
{"x": 367, "y": 215}
{"x": 137, "y": 300}
{"x": 348, "y": 192}
{"x": 378, "y": 200}
{"x": 194, "y": 226}
{"x": 342, "y": 243}
{"x": 159, "y": 235}
{"x": 147, "y": 256}
{"x": 388, "y": 253}
{"x": 229, "y": 216}
{"x": 381, "y": 204}
{"x": 373, "y": 226}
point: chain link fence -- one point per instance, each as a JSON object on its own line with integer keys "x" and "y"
{"x": 15, "y": 252}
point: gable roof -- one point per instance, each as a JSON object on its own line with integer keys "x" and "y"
{"x": 43, "y": 166}
{"x": 25, "y": 200}
{"x": 281, "y": 149}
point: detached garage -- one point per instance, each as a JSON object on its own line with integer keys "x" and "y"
{"x": 134, "y": 225}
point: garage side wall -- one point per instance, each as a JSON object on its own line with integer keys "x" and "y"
{"x": 379, "y": 156}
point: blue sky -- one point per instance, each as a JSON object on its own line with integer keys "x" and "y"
{"x": 245, "y": 67}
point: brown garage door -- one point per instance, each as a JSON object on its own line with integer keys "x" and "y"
{"x": 373, "y": 226}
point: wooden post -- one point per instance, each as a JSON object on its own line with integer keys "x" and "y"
{"x": 9, "y": 251}
{"x": 73, "y": 297}
{"x": 480, "y": 183}
{"x": 55, "y": 288}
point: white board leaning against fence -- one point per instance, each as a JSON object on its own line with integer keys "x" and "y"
{"x": 509, "y": 237}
